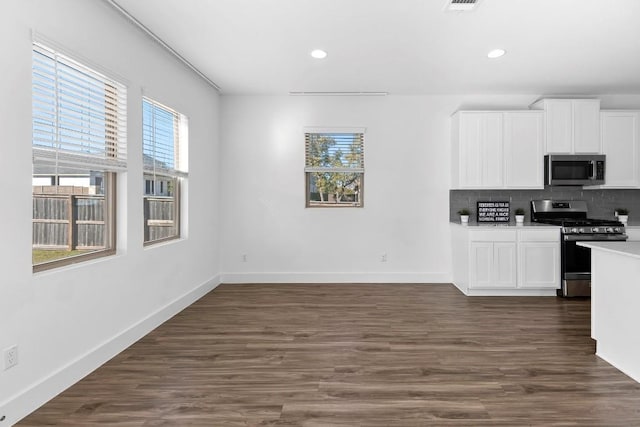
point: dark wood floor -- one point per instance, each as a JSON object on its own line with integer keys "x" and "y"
{"x": 357, "y": 355}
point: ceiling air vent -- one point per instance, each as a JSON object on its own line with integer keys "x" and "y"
{"x": 461, "y": 5}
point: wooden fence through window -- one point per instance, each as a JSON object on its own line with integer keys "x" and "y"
{"x": 68, "y": 221}
{"x": 160, "y": 223}
{"x": 68, "y": 218}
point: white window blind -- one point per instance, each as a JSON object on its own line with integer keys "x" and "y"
{"x": 79, "y": 115}
{"x": 334, "y": 152}
{"x": 162, "y": 140}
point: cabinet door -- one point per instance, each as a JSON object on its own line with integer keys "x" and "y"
{"x": 470, "y": 158}
{"x": 559, "y": 125}
{"x": 539, "y": 265}
{"x": 480, "y": 264}
{"x": 620, "y": 144}
{"x": 492, "y": 149}
{"x": 504, "y": 265}
{"x": 586, "y": 126}
{"x": 492, "y": 265}
{"x": 480, "y": 153}
{"x": 523, "y": 149}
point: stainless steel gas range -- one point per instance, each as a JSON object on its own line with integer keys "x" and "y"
{"x": 576, "y": 227}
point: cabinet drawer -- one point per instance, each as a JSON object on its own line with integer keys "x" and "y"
{"x": 545, "y": 235}
{"x": 492, "y": 236}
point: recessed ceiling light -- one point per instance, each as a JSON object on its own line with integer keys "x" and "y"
{"x": 496, "y": 53}
{"x": 319, "y": 54}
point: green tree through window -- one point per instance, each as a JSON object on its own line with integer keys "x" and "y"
{"x": 334, "y": 168}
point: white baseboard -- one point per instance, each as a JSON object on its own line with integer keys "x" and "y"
{"x": 511, "y": 293}
{"x": 519, "y": 292}
{"x": 30, "y": 399}
{"x": 613, "y": 362}
{"x": 335, "y": 278}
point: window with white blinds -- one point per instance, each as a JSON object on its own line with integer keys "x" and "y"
{"x": 79, "y": 115}
{"x": 164, "y": 142}
{"x": 79, "y": 121}
{"x": 162, "y": 131}
{"x": 334, "y": 167}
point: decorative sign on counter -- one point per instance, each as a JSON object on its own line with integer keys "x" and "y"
{"x": 493, "y": 211}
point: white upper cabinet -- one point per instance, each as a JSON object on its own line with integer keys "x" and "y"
{"x": 492, "y": 150}
{"x": 586, "y": 126}
{"x": 497, "y": 149}
{"x": 620, "y": 144}
{"x": 572, "y": 126}
{"x": 478, "y": 150}
{"x": 523, "y": 149}
{"x": 559, "y": 123}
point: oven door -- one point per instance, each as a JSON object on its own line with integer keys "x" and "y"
{"x": 576, "y": 261}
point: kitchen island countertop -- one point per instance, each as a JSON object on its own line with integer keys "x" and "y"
{"x": 631, "y": 249}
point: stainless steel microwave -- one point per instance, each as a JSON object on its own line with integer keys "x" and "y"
{"x": 574, "y": 169}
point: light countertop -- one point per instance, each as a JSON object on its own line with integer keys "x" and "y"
{"x": 508, "y": 225}
{"x": 631, "y": 249}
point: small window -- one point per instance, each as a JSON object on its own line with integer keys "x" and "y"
{"x": 164, "y": 141}
{"x": 79, "y": 146}
{"x": 334, "y": 168}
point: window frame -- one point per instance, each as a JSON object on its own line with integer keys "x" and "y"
{"x": 105, "y": 152}
{"x": 359, "y": 133}
{"x": 178, "y": 173}
{"x": 177, "y": 209}
{"x": 308, "y": 204}
{"x": 110, "y": 182}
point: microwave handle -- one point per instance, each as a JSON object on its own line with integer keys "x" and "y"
{"x": 592, "y": 165}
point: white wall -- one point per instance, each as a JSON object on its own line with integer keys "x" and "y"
{"x": 68, "y": 321}
{"x": 406, "y": 195}
{"x": 406, "y": 191}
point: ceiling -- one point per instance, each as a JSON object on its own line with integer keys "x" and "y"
{"x": 579, "y": 47}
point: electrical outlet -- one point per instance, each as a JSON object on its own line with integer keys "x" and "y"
{"x": 10, "y": 357}
{"x": 383, "y": 257}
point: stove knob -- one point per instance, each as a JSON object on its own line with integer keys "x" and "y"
{"x": 618, "y": 230}
{"x": 575, "y": 230}
{"x": 609, "y": 230}
{"x": 595, "y": 229}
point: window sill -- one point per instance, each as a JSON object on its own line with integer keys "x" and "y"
{"x": 73, "y": 263}
{"x": 163, "y": 242}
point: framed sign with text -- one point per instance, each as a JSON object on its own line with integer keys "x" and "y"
{"x": 493, "y": 212}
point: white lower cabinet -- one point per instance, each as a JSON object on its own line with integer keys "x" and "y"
{"x": 492, "y": 265}
{"x": 538, "y": 265}
{"x": 506, "y": 261}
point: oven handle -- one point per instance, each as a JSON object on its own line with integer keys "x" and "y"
{"x": 595, "y": 237}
